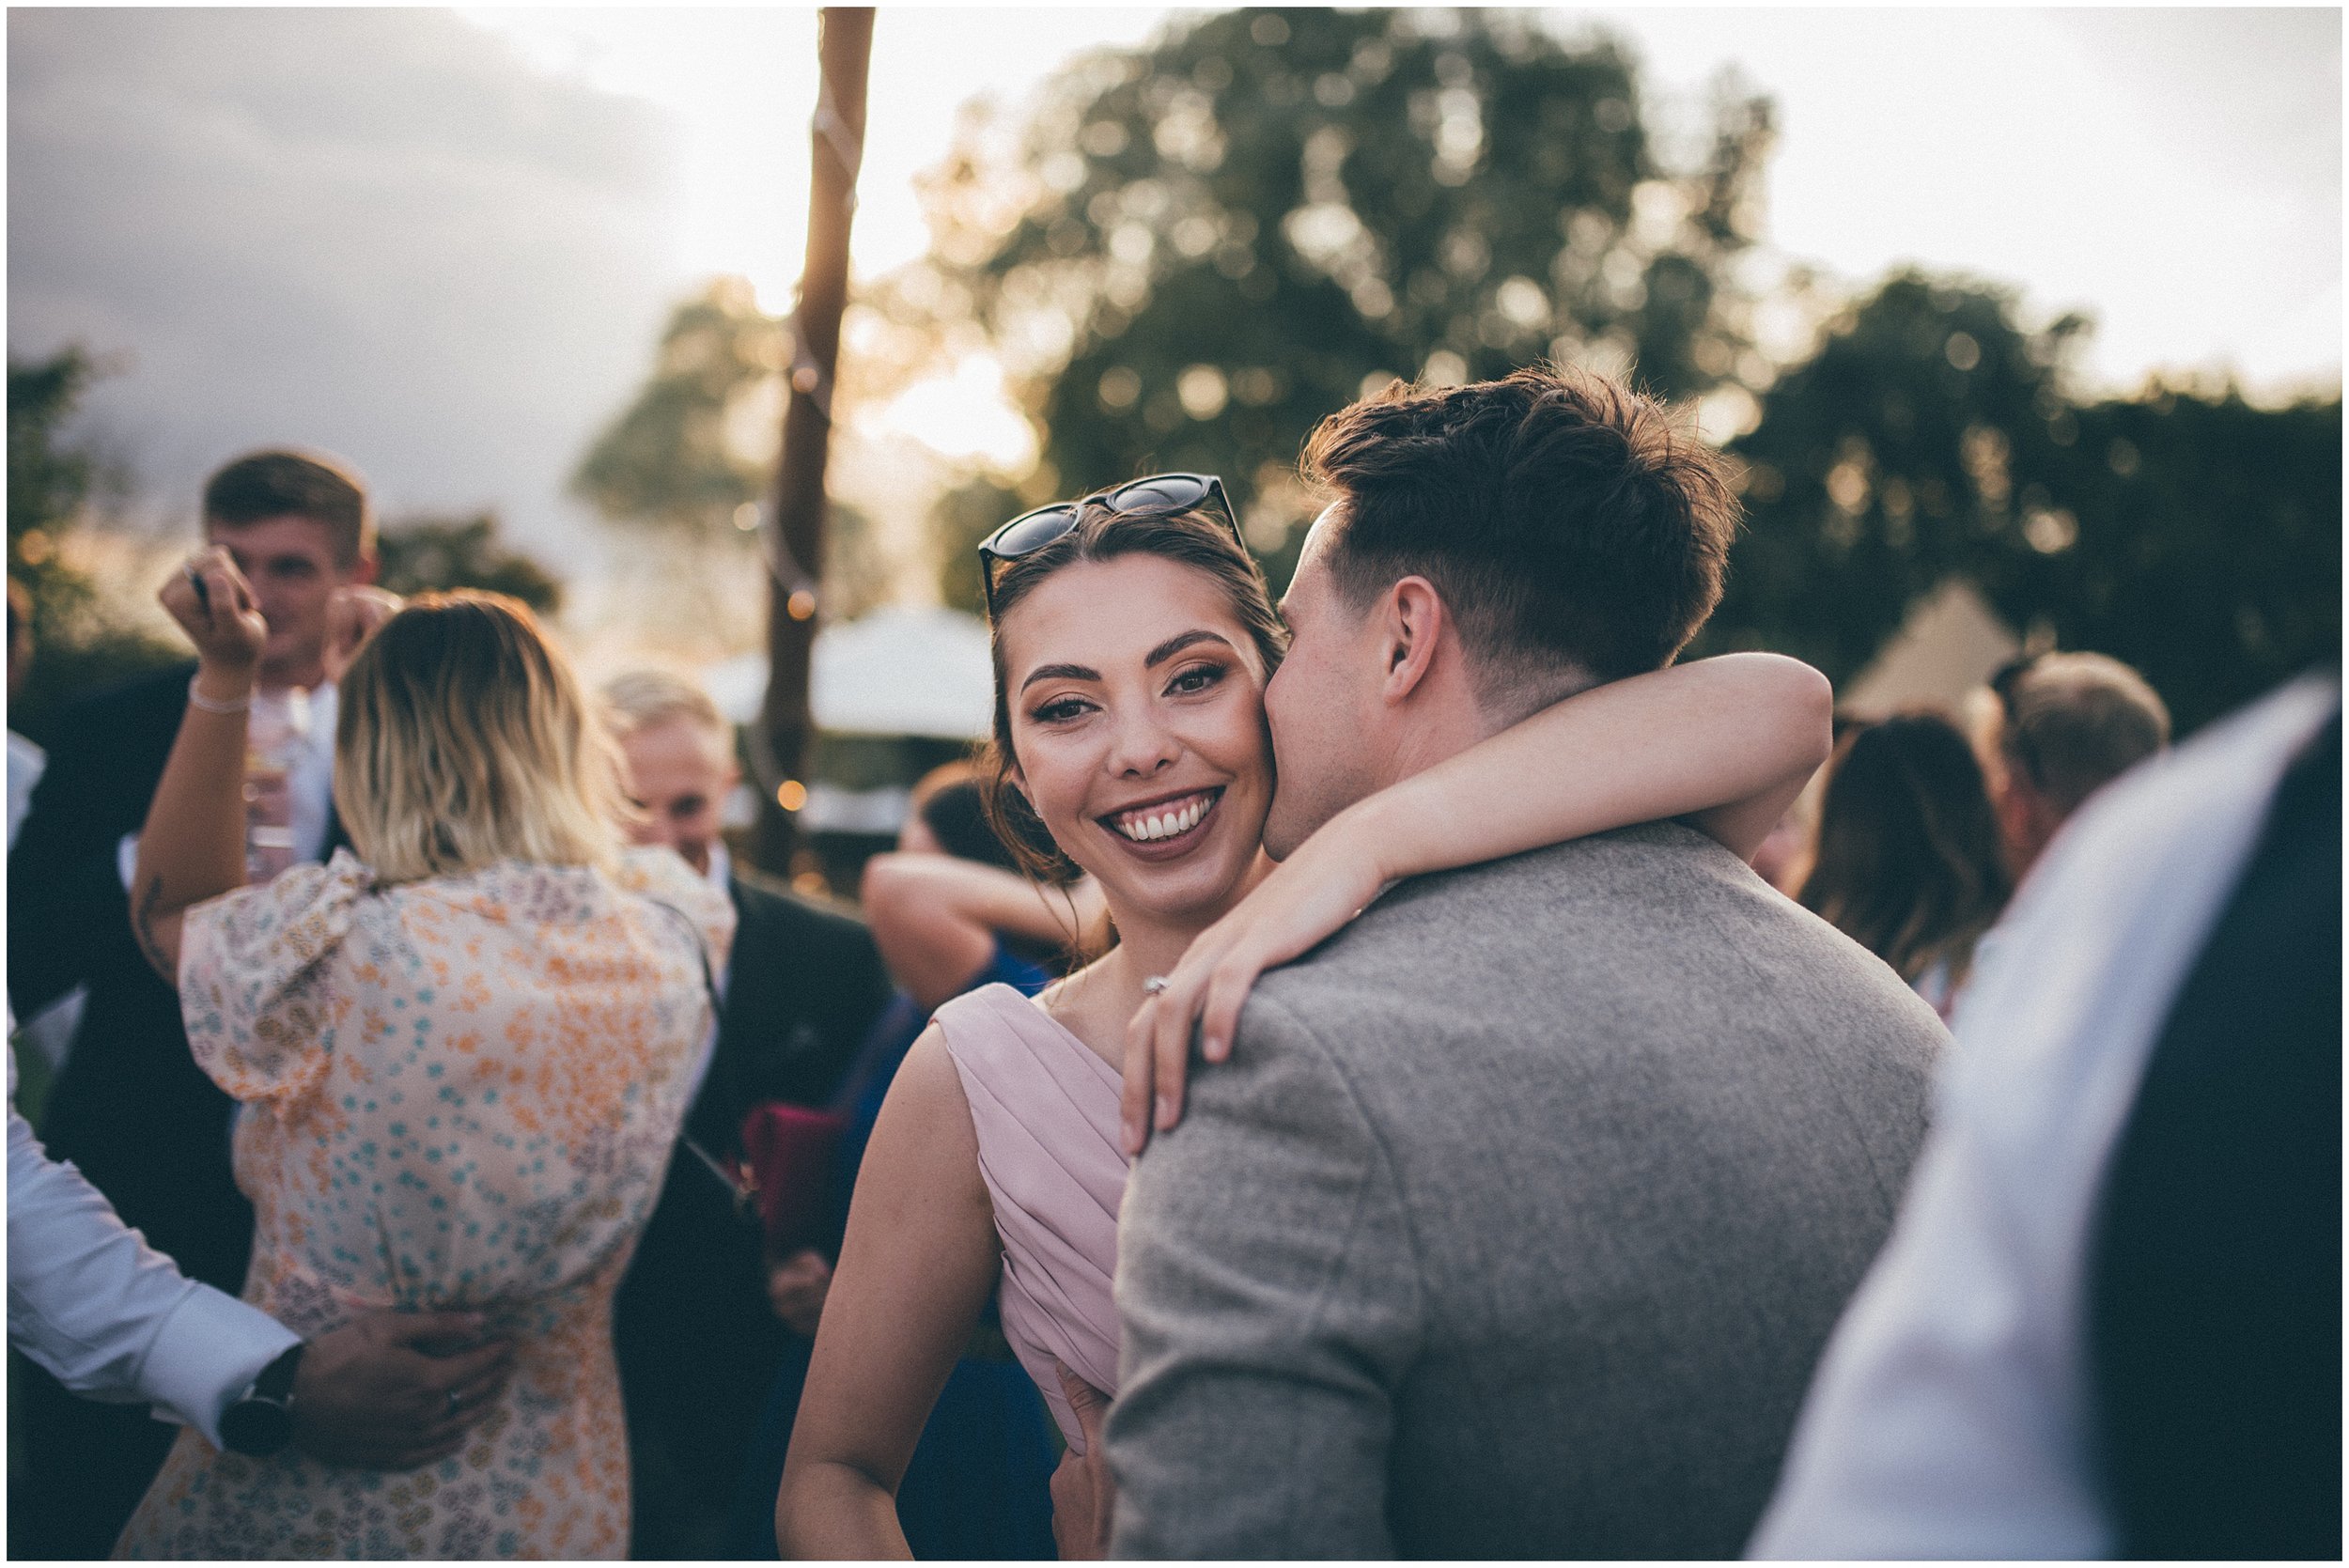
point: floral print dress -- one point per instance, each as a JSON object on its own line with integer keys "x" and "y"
{"x": 456, "y": 1095}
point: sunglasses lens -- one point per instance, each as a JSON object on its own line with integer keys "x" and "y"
{"x": 1033, "y": 532}
{"x": 1168, "y": 492}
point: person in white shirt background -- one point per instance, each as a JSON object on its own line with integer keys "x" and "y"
{"x": 114, "y": 1320}
{"x": 1966, "y": 1405}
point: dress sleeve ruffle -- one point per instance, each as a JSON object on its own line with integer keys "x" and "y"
{"x": 253, "y": 963}
{"x": 660, "y": 876}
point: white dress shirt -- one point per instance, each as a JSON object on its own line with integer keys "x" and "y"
{"x": 108, "y": 1314}
{"x": 719, "y": 876}
{"x": 25, "y": 764}
{"x": 309, "y": 786}
{"x": 1950, "y": 1416}
{"x": 310, "y": 779}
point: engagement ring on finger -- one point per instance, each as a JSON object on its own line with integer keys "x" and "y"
{"x": 1153, "y": 986}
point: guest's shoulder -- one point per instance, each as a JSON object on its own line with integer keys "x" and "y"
{"x": 661, "y": 877}
{"x": 163, "y": 685}
{"x": 1649, "y": 916}
{"x": 1582, "y": 883}
{"x": 305, "y": 892}
{"x": 761, "y": 899}
{"x": 145, "y": 707}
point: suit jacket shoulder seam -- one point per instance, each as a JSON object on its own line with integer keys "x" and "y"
{"x": 1378, "y": 1142}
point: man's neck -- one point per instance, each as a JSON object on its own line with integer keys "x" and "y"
{"x": 1447, "y": 719}
{"x": 305, "y": 678}
{"x": 1430, "y": 734}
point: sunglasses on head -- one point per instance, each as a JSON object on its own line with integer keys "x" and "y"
{"x": 1160, "y": 495}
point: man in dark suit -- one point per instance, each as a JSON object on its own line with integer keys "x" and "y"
{"x": 129, "y": 1107}
{"x": 703, "y": 1315}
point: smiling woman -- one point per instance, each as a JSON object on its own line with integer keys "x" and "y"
{"x": 1145, "y": 756}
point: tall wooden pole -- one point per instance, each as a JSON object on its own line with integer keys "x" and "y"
{"x": 796, "y": 526}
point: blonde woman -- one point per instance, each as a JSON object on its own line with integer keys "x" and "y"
{"x": 462, "y": 1054}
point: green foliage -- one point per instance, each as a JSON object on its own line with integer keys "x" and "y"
{"x": 695, "y": 452}
{"x": 1205, "y": 247}
{"x": 2198, "y": 538}
{"x": 961, "y": 518}
{"x": 419, "y": 554}
{"x": 49, "y": 482}
{"x": 699, "y": 442}
{"x": 859, "y": 572}
{"x": 76, "y": 642}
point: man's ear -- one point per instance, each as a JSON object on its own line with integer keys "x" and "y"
{"x": 1413, "y": 614}
{"x": 365, "y": 568}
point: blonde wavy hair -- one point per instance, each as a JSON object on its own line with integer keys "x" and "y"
{"x": 464, "y": 739}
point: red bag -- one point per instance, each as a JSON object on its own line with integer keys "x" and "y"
{"x": 787, "y": 1154}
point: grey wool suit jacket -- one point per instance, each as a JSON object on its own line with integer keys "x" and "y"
{"x": 1517, "y": 1221}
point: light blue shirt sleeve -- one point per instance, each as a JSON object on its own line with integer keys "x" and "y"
{"x": 108, "y": 1314}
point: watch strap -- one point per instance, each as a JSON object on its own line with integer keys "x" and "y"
{"x": 276, "y": 1381}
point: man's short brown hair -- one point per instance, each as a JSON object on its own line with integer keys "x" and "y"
{"x": 264, "y": 485}
{"x": 1576, "y": 533}
{"x": 2074, "y": 721}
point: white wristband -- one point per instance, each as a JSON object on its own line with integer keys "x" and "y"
{"x": 213, "y": 705}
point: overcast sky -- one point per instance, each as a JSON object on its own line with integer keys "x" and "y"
{"x": 377, "y": 232}
{"x": 442, "y": 243}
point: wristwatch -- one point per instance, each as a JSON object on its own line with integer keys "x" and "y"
{"x": 261, "y": 1422}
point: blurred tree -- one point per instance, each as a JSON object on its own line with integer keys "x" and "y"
{"x": 49, "y": 481}
{"x": 2198, "y": 538}
{"x": 693, "y": 455}
{"x": 962, "y": 516}
{"x": 430, "y": 552}
{"x": 77, "y": 641}
{"x": 699, "y": 442}
{"x": 1195, "y": 251}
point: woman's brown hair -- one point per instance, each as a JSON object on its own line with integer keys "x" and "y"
{"x": 1195, "y": 538}
{"x": 464, "y": 739}
{"x": 1908, "y": 863}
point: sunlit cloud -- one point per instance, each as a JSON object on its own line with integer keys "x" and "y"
{"x": 965, "y": 417}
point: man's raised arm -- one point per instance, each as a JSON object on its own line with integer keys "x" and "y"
{"x": 1270, "y": 1301}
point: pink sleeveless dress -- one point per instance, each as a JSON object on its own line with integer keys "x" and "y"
{"x": 1045, "y": 1107}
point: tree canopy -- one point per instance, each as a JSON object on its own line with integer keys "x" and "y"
{"x": 2192, "y": 535}
{"x": 1186, "y": 254}
{"x": 693, "y": 455}
{"x": 1194, "y": 252}
{"x": 424, "y": 553}
{"x": 80, "y": 636}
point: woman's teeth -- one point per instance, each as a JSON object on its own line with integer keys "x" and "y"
{"x": 1160, "y": 822}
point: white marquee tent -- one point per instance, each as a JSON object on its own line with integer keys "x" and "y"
{"x": 902, "y": 671}
{"x": 905, "y": 670}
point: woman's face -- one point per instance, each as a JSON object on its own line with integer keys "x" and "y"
{"x": 1137, "y": 720}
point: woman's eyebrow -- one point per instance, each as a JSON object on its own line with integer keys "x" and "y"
{"x": 1059, "y": 672}
{"x": 1176, "y": 644}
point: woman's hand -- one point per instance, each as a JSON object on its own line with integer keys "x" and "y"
{"x": 1309, "y": 897}
{"x": 214, "y": 604}
{"x": 351, "y": 616}
{"x": 1084, "y": 1497}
